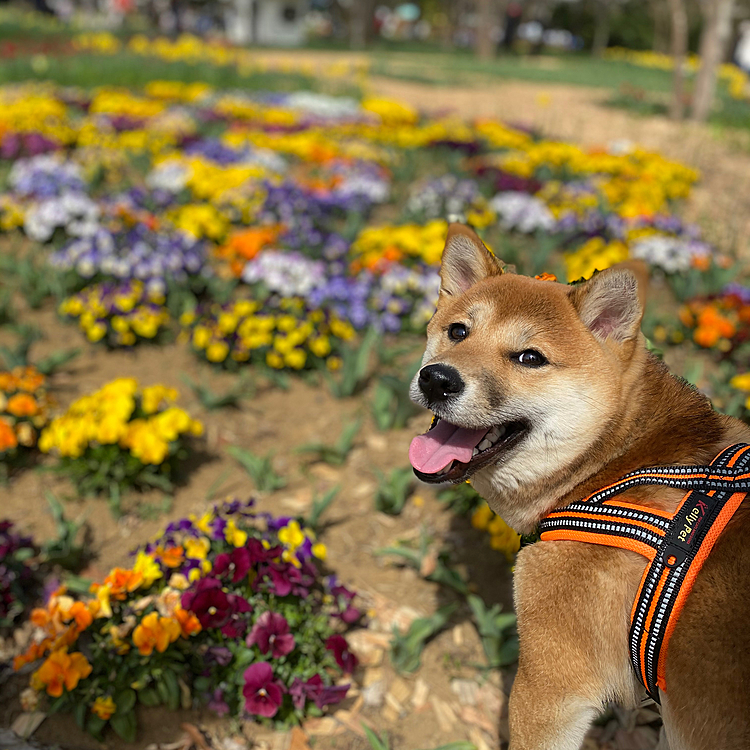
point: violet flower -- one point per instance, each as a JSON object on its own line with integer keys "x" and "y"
{"x": 271, "y": 633}
{"x": 263, "y": 695}
{"x": 344, "y": 657}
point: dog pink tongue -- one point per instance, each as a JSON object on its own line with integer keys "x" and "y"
{"x": 433, "y": 451}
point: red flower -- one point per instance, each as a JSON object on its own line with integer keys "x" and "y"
{"x": 263, "y": 696}
{"x": 239, "y": 562}
{"x": 344, "y": 658}
{"x": 213, "y": 607}
{"x": 271, "y": 633}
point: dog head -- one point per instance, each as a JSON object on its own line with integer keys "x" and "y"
{"x": 524, "y": 376}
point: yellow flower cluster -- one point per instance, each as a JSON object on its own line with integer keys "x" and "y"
{"x": 200, "y": 220}
{"x": 100, "y": 42}
{"x": 742, "y": 383}
{"x": 241, "y": 331}
{"x": 735, "y": 78}
{"x": 502, "y": 537}
{"x": 375, "y": 247}
{"x": 391, "y": 112}
{"x": 177, "y": 90}
{"x": 500, "y": 136}
{"x": 124, "y": 314}
{"x": 595, "y": 255}
{"x": 139, "y": 421}
{"x": 293, "y": 536}
{"x": 31, "y": 108}
{"x": 119, "y": 101}
{"x": 193, "y": 49}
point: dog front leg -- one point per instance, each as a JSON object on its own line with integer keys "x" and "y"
{"x": 546, "y": 714}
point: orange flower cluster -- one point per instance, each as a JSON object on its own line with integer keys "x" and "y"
{"x": 715, "y": 322}
{"x": 244, "y": 246}
{"x": 60, "y": 624}
{"x": 61, "y": 669}
{"x": 156, "y": 632}
{"x": 24, "y": 407}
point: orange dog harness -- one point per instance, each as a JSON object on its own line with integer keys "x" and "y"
{"x": 675, "y": 545}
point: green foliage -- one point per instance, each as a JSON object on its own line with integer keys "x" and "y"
{"x": 7, "y": 311}
{"x": 53, "y": 362}
{"x": 260, "y": 468}
{"x": 497, "y": 630}
{"x": 337, "y": 453}
{"x": 391, "y": 406}
{"x": 393, "y": 490}
{"x": 319, "y": 506}
{"x": 406, "y": 648}
{"x": 377, "y": 742}
{"x": 18, "y": 355}
{"x": 110, "y": 471}
{"x": 461, "y": 499}
{"x": 65, "y": 548}
{"x": 211, "y": 400}
{"x": 34, "y": 278}
{"x": 701, "y": 283}
{"x": 354, "y": 373}
{"x": 433, "y": 566}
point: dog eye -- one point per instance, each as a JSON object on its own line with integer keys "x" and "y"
{"x": 457, "y": 332}
{"x": 530, "y": 358}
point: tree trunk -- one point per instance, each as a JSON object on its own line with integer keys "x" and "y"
{"x": 601, "y": 27}
{"x": 660, "y": 12}
{"x": 360, "y": 23}
{"x": 450, "y": 12}
{"x": 717, "y": 28}
{"x": 679, "y": 51}
{"x": 485, "y": 45}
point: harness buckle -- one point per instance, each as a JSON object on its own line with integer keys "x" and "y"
{"x": 672, "y": 555}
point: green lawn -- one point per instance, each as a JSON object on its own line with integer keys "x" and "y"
{"x": 464, "y": 69}
{"x": 134, "y": 71}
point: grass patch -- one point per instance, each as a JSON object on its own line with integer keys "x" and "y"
{"x": 578, "y": 70}
{"x": 135, "y": 71}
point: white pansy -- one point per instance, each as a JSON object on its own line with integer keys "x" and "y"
{"x": 522, "y": 212}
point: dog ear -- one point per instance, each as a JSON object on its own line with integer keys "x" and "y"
{"x": 466, "y": 260}
{"x": 611, "y": 303}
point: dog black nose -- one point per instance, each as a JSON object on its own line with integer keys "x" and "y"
{"x": 440, "y": 382}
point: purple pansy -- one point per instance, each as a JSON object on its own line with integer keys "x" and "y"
{"x": 344, "y": 657}
{"x": 271, "y": 633}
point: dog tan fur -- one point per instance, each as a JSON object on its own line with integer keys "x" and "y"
{"x": 600, "y": 407}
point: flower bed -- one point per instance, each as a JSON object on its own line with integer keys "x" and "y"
{"x": 24, "y": 410}
{"x": 230, "y": 609}
{"x": 224, "y": 197}
{"x": 121, "y": 437}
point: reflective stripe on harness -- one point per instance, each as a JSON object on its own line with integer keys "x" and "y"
{"x": 675, "y": 545}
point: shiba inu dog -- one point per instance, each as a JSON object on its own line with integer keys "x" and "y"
{"x": 543, "y": 394}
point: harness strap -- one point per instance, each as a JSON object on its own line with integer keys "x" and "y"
{"x": 676, "y": 545}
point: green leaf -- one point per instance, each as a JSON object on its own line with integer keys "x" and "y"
{"x": 94, "y": 725}
{"x": 377, "y": 742}
{"x": 79, "y": 712}
{"x": 173, "y": 689}
{"x": 406, "y": 649}
{"x": 149, "y": 697}
{"x": 125, "y": 701}
{"x": 125, "y": 726}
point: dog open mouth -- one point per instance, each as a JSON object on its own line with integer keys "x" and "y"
{"x": 448, "y": 453}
